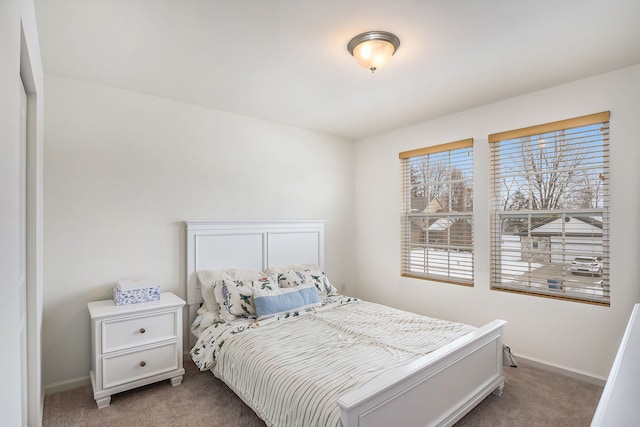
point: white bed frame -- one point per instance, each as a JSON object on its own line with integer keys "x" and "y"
{"x": 437, "y": 389}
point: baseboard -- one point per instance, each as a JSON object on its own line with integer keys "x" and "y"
{"x": 67, "y": 385}
{"x": 561, "y": 370}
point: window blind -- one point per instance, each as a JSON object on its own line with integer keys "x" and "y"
{"x": 550, "y": 209}
{"x": 437, "y": 212}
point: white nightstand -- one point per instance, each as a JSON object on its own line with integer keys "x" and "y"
{"x": 134, "y": 345}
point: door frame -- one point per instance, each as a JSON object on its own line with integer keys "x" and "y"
{"x": 32, "y": 77}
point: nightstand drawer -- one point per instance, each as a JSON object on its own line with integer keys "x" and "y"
{"x": 129, "y": 367}
{"x": 137, "y": 331}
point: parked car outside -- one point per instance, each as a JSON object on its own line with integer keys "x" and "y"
{"x": 590, "y": 265}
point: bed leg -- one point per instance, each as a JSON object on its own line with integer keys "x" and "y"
{"x": 498, "y": 390}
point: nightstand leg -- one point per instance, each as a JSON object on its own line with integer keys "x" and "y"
{"x": 176, "y": 381}
{"x": 498, "y": 391}
{"x": 103, "y": 402}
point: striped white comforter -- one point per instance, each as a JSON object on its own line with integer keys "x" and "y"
{"x": 292, "y": 370}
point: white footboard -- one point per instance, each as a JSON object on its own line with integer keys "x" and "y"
{"x": 437, "y": 389}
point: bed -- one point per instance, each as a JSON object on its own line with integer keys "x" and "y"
{"x": 368, "y": 370}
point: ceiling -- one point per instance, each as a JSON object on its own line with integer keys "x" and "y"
{"x": 286, "y": 60}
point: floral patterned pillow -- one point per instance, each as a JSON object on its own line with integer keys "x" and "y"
{"x": 208, "y": 279}
{"x": 318, "y": 278}
{"x": 235, "y": 297}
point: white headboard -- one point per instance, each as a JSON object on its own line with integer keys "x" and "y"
{"x": 248, "y": 245}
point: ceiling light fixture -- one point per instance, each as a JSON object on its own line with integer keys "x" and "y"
{"x": 373, "y": 49}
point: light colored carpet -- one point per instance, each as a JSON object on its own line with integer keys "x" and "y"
{"x": 532, "y": 397}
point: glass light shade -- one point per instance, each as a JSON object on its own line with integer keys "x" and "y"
{"x": 373, "y": 54}
{"x": 373, "y": 49}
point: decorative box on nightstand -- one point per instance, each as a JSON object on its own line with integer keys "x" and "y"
{"x": 134, "y": 345}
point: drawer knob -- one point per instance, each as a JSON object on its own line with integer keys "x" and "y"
{"x": 143, "y": 330}
{"x": 143, "y": 363}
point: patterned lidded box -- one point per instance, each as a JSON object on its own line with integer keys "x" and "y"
{"x": 134, "y": 296}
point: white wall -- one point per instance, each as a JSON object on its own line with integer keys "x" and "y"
{"x": 122, "y": 170}
{"x": 580, "y": 337}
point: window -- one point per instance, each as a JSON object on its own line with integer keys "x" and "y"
{"x": 437, "y": 213}
{"x": 550, "y": 209}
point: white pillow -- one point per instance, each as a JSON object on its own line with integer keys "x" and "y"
{"x": 280, "y": 301}
{"x": 207, "y": 279}
{"x": 318, "y": 278}
{"x": 235, "y": 297}
{"x": 291, "y": 267}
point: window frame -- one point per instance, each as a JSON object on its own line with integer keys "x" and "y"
{"x": 458, "y": 263}
{"x": 573, "y": 137}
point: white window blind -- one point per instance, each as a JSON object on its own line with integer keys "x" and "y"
{"x": 437, "y": 213}
{"x": 550, "y": 209}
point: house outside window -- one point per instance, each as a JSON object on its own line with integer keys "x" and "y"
{"x": 550, "y": 210}
{"x": 437, "y": 213}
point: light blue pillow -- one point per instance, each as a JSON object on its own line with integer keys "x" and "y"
{"x": 270, "y": 303}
